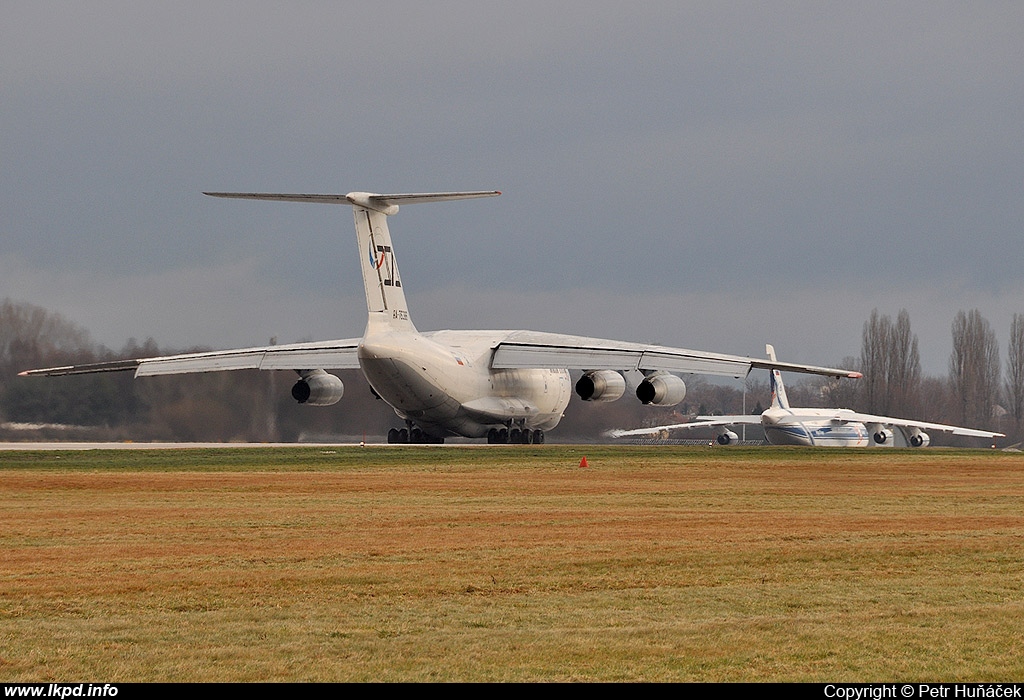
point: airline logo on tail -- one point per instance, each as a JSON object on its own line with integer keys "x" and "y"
{"x": 382, "y": 257}
{"x": 375, "y": 262}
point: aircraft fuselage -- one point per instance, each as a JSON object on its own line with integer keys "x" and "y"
{"x": 442, "y": 381}
{"x": 789, "y": 427}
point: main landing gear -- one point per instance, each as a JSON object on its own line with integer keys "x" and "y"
{"x": 411, "y": 435}
{"x": 516, "y": 436}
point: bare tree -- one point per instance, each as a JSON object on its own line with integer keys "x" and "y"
{"x": 1015, "y": 372}
{"x": 874, "y": 363}
{"x": 30, "y": 334}
{"x": 891, "y": 365}
{"x": 903, "y": 377}
{"x": 974, "y": 368}
{"x": 839, "y": 392}
{"x": 936, "y": 399}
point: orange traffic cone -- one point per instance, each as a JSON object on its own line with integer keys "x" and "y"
{"x": 583, "y": 463}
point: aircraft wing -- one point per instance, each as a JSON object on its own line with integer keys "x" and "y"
{"x": 921, "y": 425}
{"x": 530, "y": 349}
{"x": 698, "y": 422}
{"x": 330, "y": 354}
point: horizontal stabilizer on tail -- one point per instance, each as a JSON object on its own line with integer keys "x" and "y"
{"x": 384, "y": 203}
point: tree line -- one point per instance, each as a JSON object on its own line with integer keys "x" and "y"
{"x": 973, "y": 394}
{"x": 245, "y": 405}
{"x": 254, "y": 406}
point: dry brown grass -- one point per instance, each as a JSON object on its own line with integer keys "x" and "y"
{"x": 498, "y": 564}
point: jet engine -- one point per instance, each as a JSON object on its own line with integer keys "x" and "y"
{"x": 920, "y": 439}
{"x": 601, "y": 385}
{"x": 661, "y": 389}
{"x": 727, "y": 437}
{"x": 318, "y": 388}
{"x": 882, "y": 436}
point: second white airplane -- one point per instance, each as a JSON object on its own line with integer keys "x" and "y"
{"x": 822, "y": 427}
{"x": 507, "y": 386}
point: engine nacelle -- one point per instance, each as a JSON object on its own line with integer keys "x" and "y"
{"x": 661, "y": 389}
{"x": 728, "y": 437}
{"x": 318, "y": 388}
{"x": 883, "y": 436}
{"x": 601, "y": 385}
{"x": 920, "y": 439}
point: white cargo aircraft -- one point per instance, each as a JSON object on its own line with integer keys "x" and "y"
{"x": 823, "y": 427}
{"x": 507, "y": 386}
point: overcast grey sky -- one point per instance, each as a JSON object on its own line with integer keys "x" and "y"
{"x": 706, "y": 175}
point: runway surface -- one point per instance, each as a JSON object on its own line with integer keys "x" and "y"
{"x": 14, "y": 446}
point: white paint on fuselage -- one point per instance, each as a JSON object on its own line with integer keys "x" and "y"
{"x": 783, "y": 426}
{"x": 443, "y": 382}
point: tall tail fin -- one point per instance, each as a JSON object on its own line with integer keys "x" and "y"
{"x": 779, "y": 398}
{"x": 385, "y": 298}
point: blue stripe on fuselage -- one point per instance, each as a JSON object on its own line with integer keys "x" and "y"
{"x": 852, "y": 434}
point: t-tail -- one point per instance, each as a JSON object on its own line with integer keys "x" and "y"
{"x": 779, "y": 398}
{"x": 385, "y": 296}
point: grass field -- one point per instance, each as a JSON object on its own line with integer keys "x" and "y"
{"x": 512, "y": 564}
